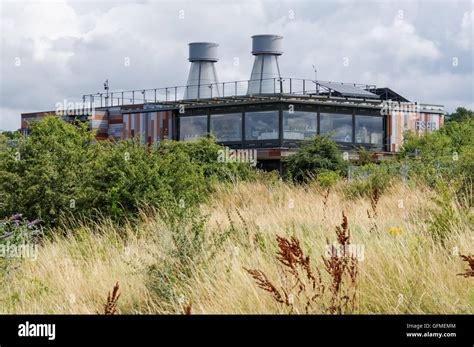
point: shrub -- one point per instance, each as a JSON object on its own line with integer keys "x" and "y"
{"x": 314, "y": 156}
{"x": 205, "y": 153}
{"x": 59, "y": 171}
{"x": 445, "y": 155}
{"x": 364, "y": 156}
{"x": 448, "y": 214}
{"x": 42, "y": 176}
{"x": 368, "y": 180}
{"x": 327, "y": 179}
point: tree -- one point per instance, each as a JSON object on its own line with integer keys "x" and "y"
{"x": 460, "y": 115}
{"x": 59, "y": 170}
{"x": 42, "y": 176}
{"x": 12, "y": 135}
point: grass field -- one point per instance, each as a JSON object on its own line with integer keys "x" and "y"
{"x": 401, "y": 267}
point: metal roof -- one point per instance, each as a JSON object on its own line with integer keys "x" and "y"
{"x": 349, "y": 90}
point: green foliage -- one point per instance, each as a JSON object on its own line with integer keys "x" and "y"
{"x": 205, "y": 152}
{"x": 446, "y": 216}
{"x": 364, "y": 156}
{"x": 444, "y": 155}
{"x": 187, "y": 232}
{"x": 314, "y": 156}
{"x": 10, "y": 135}
{"x": 41, "y": 176}
{"x": 461, "y": 114}
{"x": 327, "y": 179}
{"x": 452, "y": 139}
{"x": 369, "y": 179}
{"x": 190, "y": 249}
{"x": 16, "y": 233}
{"x": 58, "y": 170}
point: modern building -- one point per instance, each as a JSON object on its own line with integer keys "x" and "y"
{"x": 270, "y": 113}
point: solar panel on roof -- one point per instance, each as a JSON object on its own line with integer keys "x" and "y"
{"x": 349, "y": 91}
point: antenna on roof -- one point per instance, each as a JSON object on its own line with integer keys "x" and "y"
{"x": 316, "y": 78}
{"x": 106, "y": 87}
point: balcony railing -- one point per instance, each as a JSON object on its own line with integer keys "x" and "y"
{"x": 273, "y": 86}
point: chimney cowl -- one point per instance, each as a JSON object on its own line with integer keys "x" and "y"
{"x": 265, "y": 75}
{"x": 203, "y": 51}
{"x": 202, "y": 78}
{"x": 267, "y": 44}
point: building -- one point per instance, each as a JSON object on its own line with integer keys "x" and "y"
{"x": 270, "y": 113}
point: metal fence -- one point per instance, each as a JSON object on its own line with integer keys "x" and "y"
{"x": 282, "y": 85}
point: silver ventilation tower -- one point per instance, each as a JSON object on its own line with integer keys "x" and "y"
{"x": 202, "y": 79}
{"x": 265, "y": 72}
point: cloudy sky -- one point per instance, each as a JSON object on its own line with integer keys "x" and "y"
{"x": 52, "y": 51}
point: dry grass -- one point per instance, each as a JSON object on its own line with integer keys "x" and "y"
{"x": 406, "y": 272}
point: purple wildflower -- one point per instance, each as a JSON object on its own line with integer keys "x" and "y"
{"x": 36, "y": 221}
{"x": 16, "y": 216}
{"x": 6, "y": 235}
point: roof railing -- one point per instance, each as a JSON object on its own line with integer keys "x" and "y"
{"x": 281, "y": 86}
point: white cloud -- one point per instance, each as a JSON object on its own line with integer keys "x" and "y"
{"x": 464, "y": 37}
{"x": 67, "y": 49}
{"x": 402, "y": 42}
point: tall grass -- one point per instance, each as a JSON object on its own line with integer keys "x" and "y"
{"x": 407, "y": 271}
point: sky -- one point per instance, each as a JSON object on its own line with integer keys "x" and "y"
{"x": 55, "y": 51}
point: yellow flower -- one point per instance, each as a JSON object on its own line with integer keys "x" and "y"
{"x": 395, "y": 230}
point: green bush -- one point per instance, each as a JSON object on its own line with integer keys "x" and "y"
{"x": 314, "y": 156}
{"x": 58, "y": 171}
{"x": 444, "y": 155}
{"x": 365, "y": 157}
{"x": 327, "y": 179}
{"x": 42, "y": 175}
{"x": 370, "y": 179}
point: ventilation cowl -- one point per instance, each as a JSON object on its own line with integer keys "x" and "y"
{"x": 202, "y": 79}
{"x": 265, "y": 77}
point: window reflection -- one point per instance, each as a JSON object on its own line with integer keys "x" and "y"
{"x": 369, "y": 130}
{"x": 227, "y": 127}
{"x": 299, "y": 125}
{"x": 261, "y": 125}
{"x": 339, "y": 125}
{"x": 192, "y": 127}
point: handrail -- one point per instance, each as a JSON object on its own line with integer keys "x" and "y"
{"x": 281, "y": 85}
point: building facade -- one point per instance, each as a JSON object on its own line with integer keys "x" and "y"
{"x": 269, "y": 113}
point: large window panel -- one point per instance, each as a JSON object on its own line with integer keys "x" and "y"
{"x": 369, "y": 129}
{"x": 227, "y": 127}
{"x": 192, "y": 127}
{"x": 299, "y": 125}
{"x": 338, "y": 125}
{"x": 261, "y": 125}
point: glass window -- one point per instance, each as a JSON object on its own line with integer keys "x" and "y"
{"x": 227, "y": 127}
{"x": 299, "y": 125}
{"x": 369, "y": 129}
{"x": 338, "y": 125}
{"x": 261, "y": 125}
{"x": 192, "y": 127}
